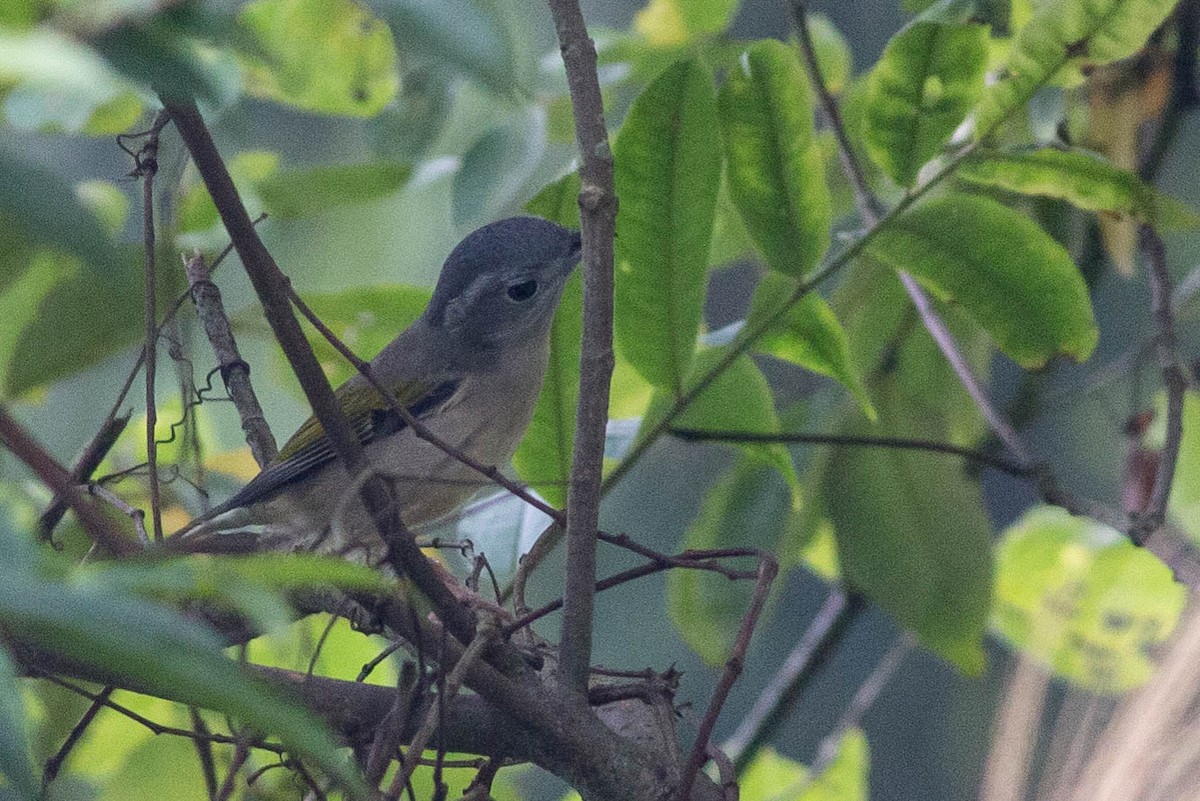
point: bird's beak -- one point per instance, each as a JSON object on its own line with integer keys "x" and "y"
{"x": 574, "y": 254}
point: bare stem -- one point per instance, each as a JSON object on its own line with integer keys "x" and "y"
{"x": 598, "y": 213}
{"x": 234, "y": 370}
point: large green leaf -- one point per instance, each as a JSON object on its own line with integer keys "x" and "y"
{"x": 295, "y": 193}
{"x": 16, "y": 763}
{"x": 1081, "y": 599}
{"x": 776, "y": 173}
{"x": 328, "y": 56}
{"x": 496, "y": 166}
{"x": 738, "y": 400}
{"x": 675, "y": 22}
{"x": 163, "y": 653}
{"x": 544, "y": 456}
{"x": 483, "y": 39}
{"x": 1079, "y": 177}
{"x": 1064, "y": 32}
{"x": 928, "y": 78}
{"x": 21, "y": 299}
{"x": 668, "y": 170}
{"x": 807, "y": 334}
{"x": 747, "y": 507}
{"x": 1017, "y": 282}
{"x": 43, "y": 207}
{"x": 912, "y": 535}
{"x": 364, "y": 318}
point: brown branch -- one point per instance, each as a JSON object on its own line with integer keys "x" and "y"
{"x": 387, "y": 737}
{"x": 490, "y": 472}
{"x": 790, "y": 438}
{"x": 234, "y": 371}
{"x": 436, "y": 711}
{"x": 767, "y": 569}
{"x": 778, "y": 698}
{"x": 1145, "y": 523}
{"x": 54, "y": 764}
{"x": 598, "y": 215}
{"x": 146, "y": 166}
{"x": 93, "y": 454}
{"x": 689, "y": 560}
{"x": 115, "y": 501}
{"x": 61, "y": 483}
{"x": 272, "y": 289}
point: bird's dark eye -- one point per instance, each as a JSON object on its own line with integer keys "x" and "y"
{"x": 523, "y": 291}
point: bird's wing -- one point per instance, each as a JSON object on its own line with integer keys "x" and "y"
{"x": 371, "y": 417}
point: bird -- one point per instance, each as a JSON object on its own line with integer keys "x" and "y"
{"x": 470, "y": 369}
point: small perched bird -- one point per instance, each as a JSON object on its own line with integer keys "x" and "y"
{"x": 470, "y": 368}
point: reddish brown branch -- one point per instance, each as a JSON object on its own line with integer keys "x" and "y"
{"x": 55, "y": 476}
{"x": 598, "y": 216}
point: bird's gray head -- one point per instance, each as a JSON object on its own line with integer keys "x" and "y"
{"x": 502, "y": 283}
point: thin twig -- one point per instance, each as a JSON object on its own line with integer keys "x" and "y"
{"x": 235, "y": 372}
{"x": 767, "y": 569}
{"x": 597, "y": 215}
{"x": 93, "y": 454}
{"x": 115, "y": 501}
{"x": 780, "y": 695}
{"x": 434, "y": 716}
{"x": 790, "y": 438}
{"x": 146, "y": 168}
{"x": 389, "y": 732}
{"x": 1145, "y": 523}
{"x": 204, "y": 752}
{"x": 241, "y": 752}
{"x": 863, "y": 698}
{"x": 54, "y": 764}
{"x": 52, "y": 474}
{"x": 690, "y": 560}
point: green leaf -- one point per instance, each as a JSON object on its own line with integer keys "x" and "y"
{"x": 543, "y": 457}
{"x": 1017, "y": 282}
{"x": 808, "y": 334}
{"x": 496, "y": 166}
{"x": 1082, "y": 600}
{"x": 833, "y": 52}
{"x": 327, "y": 56}
{"x": 775, "y": 170}
{"x": 675, "y": 22}
{"x": 42, "y": 206}
{"x": 1084, "y": 179}
{"x": 1065, "y": 32}
{"x": 846, "y": 778}
{"x": 763, "y": 778}
{"x": 107, "y": 201}
{"x": 483, "y": 39}
{"x": 163, "y": 51}
{"x": 364, "y": 319}
{"x": 296, "y": 193}
{"x": 928, "y": 78}
{"x": 163, "y": 653}
{"x": 922, "y": 555}
{"x": 747, "y": 507}
{"x": 738, "y": 400}
{"x": 668, "y": 171}
{"x": 16, "y": 762}
{"x": 20, "y": 302}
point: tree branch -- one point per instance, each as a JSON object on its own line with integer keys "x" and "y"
{"x": 597, "y": 214}
{"x": 776, "y": 700}
{"x": 234, "y": 370}
{"x": 1146, "y": 522}
{"x": 55, "y": 476}
{"x": 790, "y": 438}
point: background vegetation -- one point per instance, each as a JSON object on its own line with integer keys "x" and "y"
{"x": 958, "y": 611}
